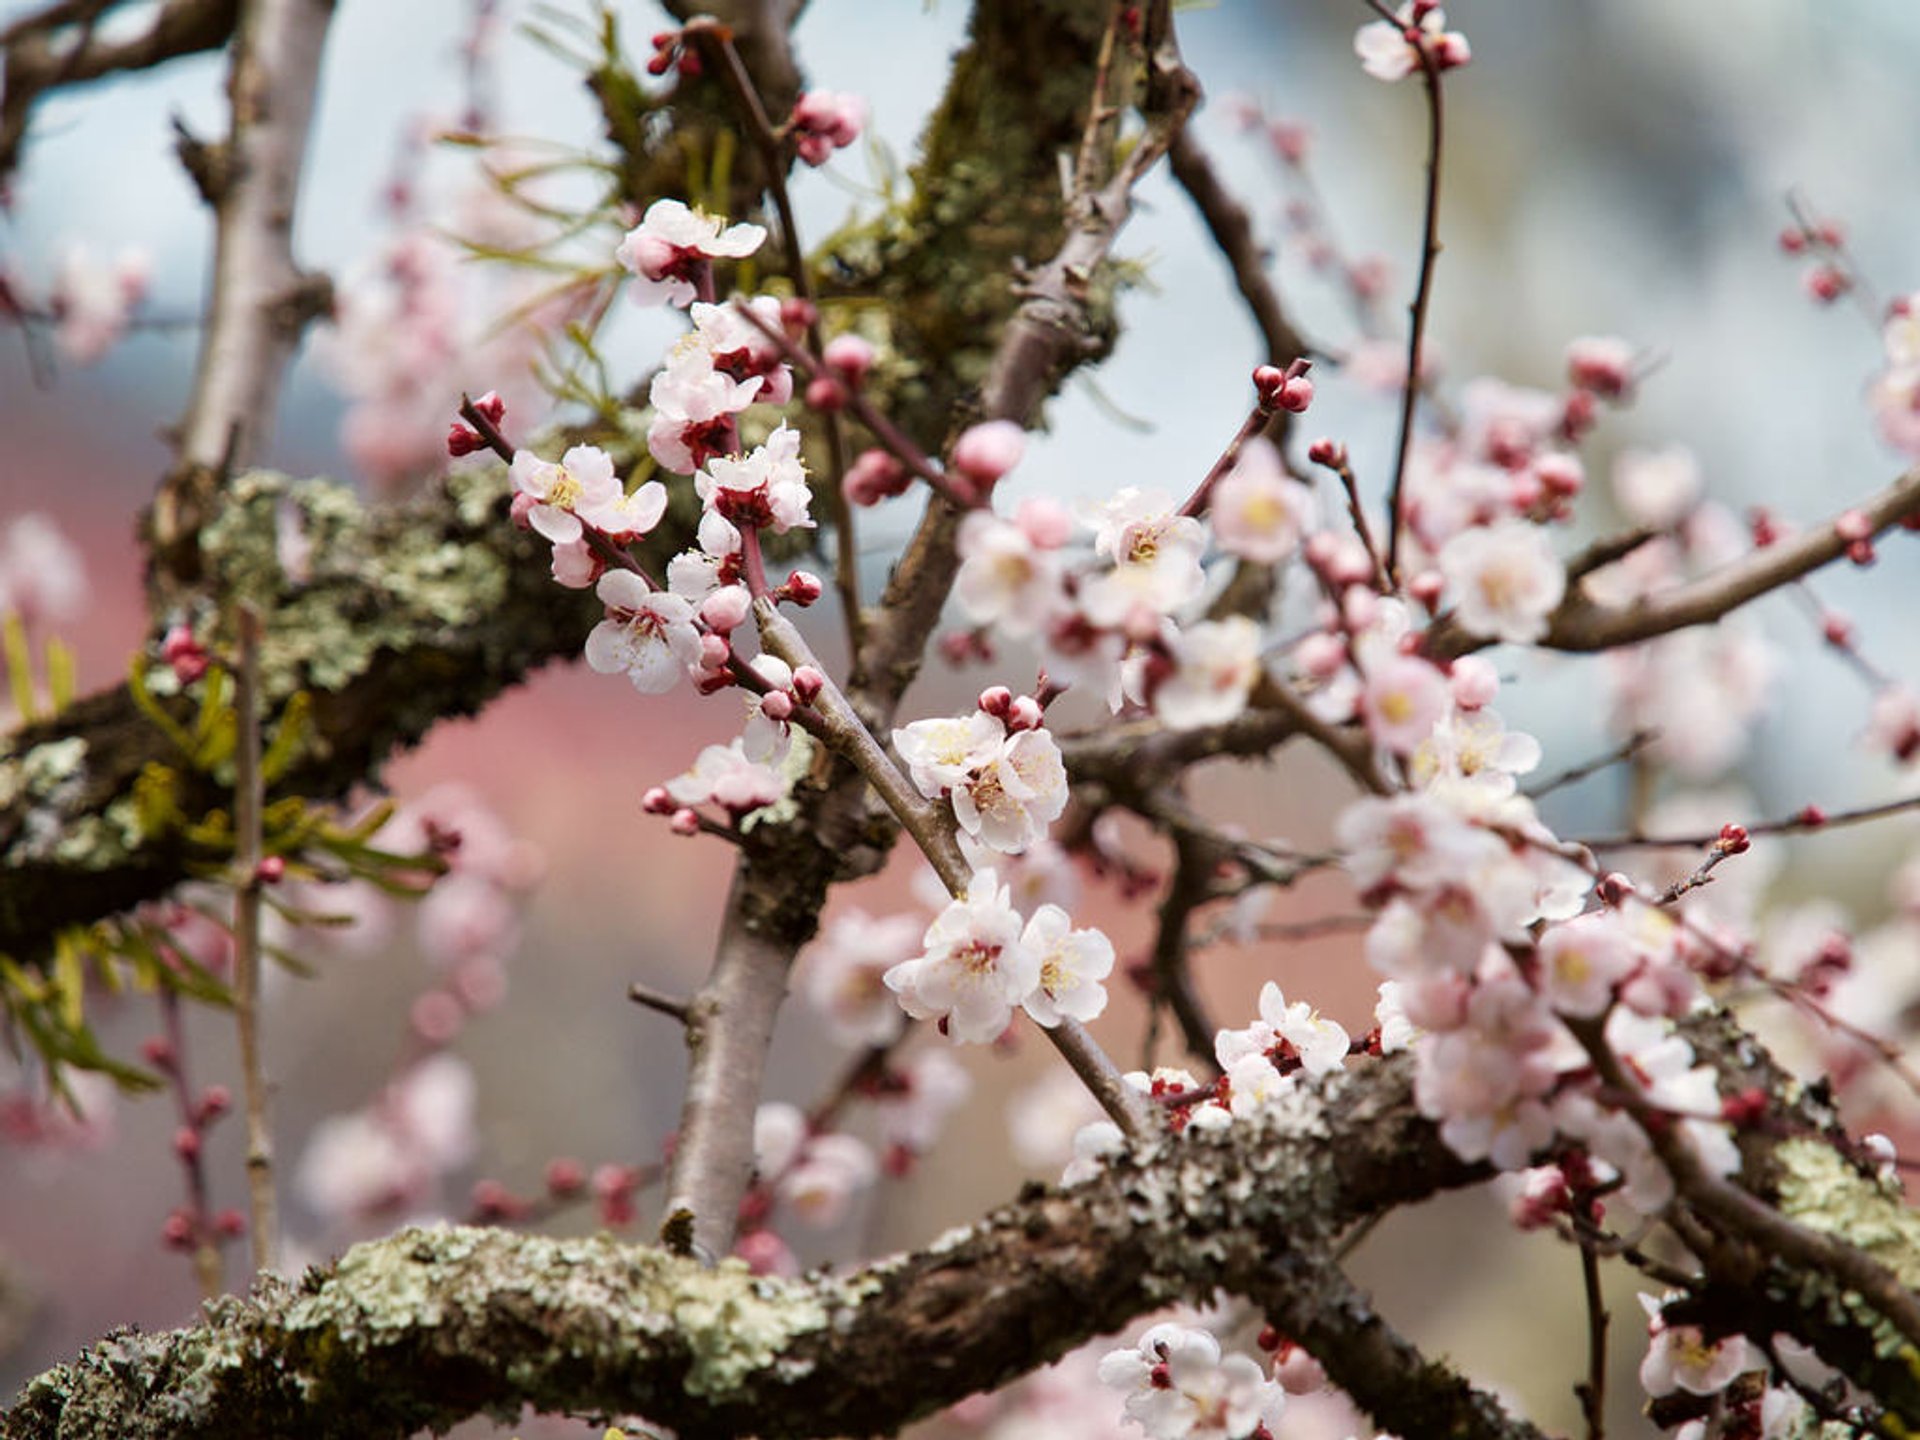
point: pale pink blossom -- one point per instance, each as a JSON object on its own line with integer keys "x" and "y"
{"x": 1657, "y": 488}
{"x": 648, "y": 634}
{"x": 1155, "y": 552}
{"x": 1043, "y": 1119}
{"x": 1258, "y": 511}
{"x": 1386, "y": 52}
{"x": 1581, "y": 960}
{"x": 1073, "y": 963}
{"x": 987, "y": 451}
{"x": 583, "y": 480}
{"x": 1178, "y": 1387}
{"x": 766, "y": 488}
{"x": 976, "y": 968}
{"x": 1602, "y": 364}
{"x": 1680, "y": 1357}
{"x": 93, "y": 302}
{"x": 830, "y": 1172}
{"x": 672, "y": 246}
{"x": 694, "y": 405}
{"x": 1414, "y": 840}
{"x": 841, "y": 975}
{"x": 1504, "y": 579}
{"x": 1008, "y": 801}
{"x": 922, "y": 1093}
{"x": 941, "y": 753}
{"x": 724, "y": 776}
{"x": 1005, "y": 579}
{"x": 1403, "y": 698}
{"x": 1475, "y": 746}
{"x": 741, "y": 348}
{"x": 1215, "y": 666}
{"x": 42, "y": 577}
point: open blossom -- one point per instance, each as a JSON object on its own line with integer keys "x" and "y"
{"x": 94, "y": 301}
{"x": 1008, "y": 802}
{"x": 841, "y": 975}
{"x": 1475, "y": 746}
{"x": 1657, "y": 488}
{"x": 1155, "y": 552}
{"x": 725, "y": 776}
{"x": 1680, "y": 1357}
{"x": 1215, "y": 665}
{"x": 1320, "y": 1044}
{"x": 1072, "y": 965}
{"x": 392, "y": 1152}
{"x": 1581, "y": 960}
{"x": 1504, "y": 579}
{"x": 1388, "y": 51}
{"x": 767, "y": 488}
{"x": 583, "y": 481}
{"x": 648, "y": 634}
{"x": 693, "y": 409}
{"x": 1403, "y": 698}
{"x": 941, "y": 753}
{"x": 735, "y": 345}
{"x": 976, "y": 968}
{"x": 1178, "y": 1387}
{"x": 1259, "y": 512}
{"x": 1005, "y": 578}
{"x": 673, "y": 245}
{"x": 921, "y": 1093}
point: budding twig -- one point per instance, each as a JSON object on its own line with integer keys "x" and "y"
{"x": 249, "y": 797}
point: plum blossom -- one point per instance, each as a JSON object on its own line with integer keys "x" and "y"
{"x": 1657, "y": 488}
{"x": 693, "y": 408}
{"x": 1581, "y": 960}
{"x": 42, "y": 577}
{"x": 842, "y": 975}
{"x": 1155, "y": 552}
{"x": 1215, "y": 666}
{"x": 976, "y": 968}
{"x": 1403, "y": 698}
{"x": 740, "y": 346}
{"x": 1680, "y": 1357}
{"x": 1006, "y": 579}
{"x": 1179, "y": 1388}
{"x": 1008, "y": 802}
{"x": 1259, "y": 512}
{"x": 93, "y": 302}
{"x": 1043, "y": 1119}
{"x": 394, "y": 1151}
{"x": 918, "y": 1096}
{"x": 767, "y": 487}
{"x": 724, "y": 776}
{"x": 1072, "y": 965}
{"x": 582, "y": 481}
{"x": 649, "y": 634}
{"x": 1475, "y": 746}
{"x": 672, "y": 248}
{"x": 1392, "y": 51}
{"x": 1504, "y": 579}
{"x": 1320, "y": 1044}
{"x": 830, "y": 1172}
{"x": 940, "y": 753}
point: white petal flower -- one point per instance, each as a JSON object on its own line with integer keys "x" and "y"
{"x": 1504, "y": 579}
{"x": 648, "y": 634}
{"x": 976, "y": 968}
{"x": 1072, "y": 965}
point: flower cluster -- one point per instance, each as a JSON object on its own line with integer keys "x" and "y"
{"x": 1178, "y": 1386}
{"x": 1001, "y": 771}
{"x": 980, "y": 962}
{"x": 1416, "y": 38}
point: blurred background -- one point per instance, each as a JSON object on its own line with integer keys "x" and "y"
{"x": 1612, "y": 169}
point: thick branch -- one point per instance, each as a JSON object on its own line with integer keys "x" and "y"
{"x": 39, "y": 62}
{"x": 258, "y": 300}
{"x": 430, "y": 1326}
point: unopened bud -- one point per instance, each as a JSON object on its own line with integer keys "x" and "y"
{"x": 803, "y": 587}
{"x": 985, "y": 452}
{"x": 807, "y": 684}
{"x": 684, "y": 822}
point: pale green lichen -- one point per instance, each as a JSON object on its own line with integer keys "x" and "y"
{"x": 1825, "y": 1194}
{"x": 46, "y": 767}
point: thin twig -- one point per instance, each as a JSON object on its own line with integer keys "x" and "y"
{"x": 1593, "y": 1393}
{"x": 249, "y": 798}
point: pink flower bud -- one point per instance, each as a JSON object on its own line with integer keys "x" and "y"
{"x": 1025, "y": 714}
{"x": 271, "y": 870}
{"x": 1524, "y": 491}
{"x": 684, "y": 822}
{"x": 1296, "y": 395}
{"x": 987, "y": 451}
{"x": 995, "y": 700}
{"x": 186, "y": 1143}
{"x": 797, "y": 314}
{"x": 1860, "y": 552}
{"x": 1837, "y": 630}
{"x": 1321, "y": 655}
{"x": 492, "y": 408}
{"x": 657, "y": 801}
{"x": 1560, "y": 475}
{"x": 850, "y": 357}
{"x": 158, "y": 1052}
{"x": 463, "y": 439}
{"x": 1427, "y": 587}
{"x": 176, "y": 1232}
{"x": 1046, "y": 523}
{"x": 520, "y": 508}
{"x": 1602, "y": 365}
{"x": 1267, "y": 382}
{"x": 807, "y": 684}
{"x": 189, "y": 661}
{"x": 1328, "y": 452}
{"x": 776, "y": 705}
{"x": 1614, "y": 888}
{"x": 714, "y": 652}
{"x": 825, "y": 394}
{"x": 1578, "y": 415}
{"x": 1853, "y": 526}
{"x": 1764, "y": 528}
{"x": 565, "y": 1178}
{"x": 230, "y": 1224}
{"x": 874, "y": 476}
{"x": 726, "y": 608}
{"x": 1474, "y": 682}
{"x": 1733, "y": 840}
{"x": 215, "y": 1101}
{"x": 803, "y": 587}
{"x": 1793, "y": 240}
{"x": 1811, "y": 816}
{"x": 1825, "y": 284}
{"x": 436, "y": 1017}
